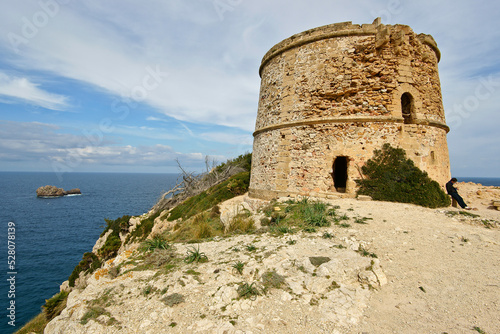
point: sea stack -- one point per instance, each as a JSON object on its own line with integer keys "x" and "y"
{"x": 53, "y": 191}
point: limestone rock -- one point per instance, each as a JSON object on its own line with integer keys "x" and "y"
{"x": 74, "y": 191}
{"x": 53, "y": 191}
{"x": 364, "y": 198}
{"x": 49, "y": 191}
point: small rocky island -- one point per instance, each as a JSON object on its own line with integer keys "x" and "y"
{"x": 53, "y": 191}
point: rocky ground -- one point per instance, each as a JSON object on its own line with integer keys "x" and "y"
{"x": 407, "y": 269}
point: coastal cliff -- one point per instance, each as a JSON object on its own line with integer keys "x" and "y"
{"x": 376, "y": 268}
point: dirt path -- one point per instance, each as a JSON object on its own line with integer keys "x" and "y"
{"x": 443, "y": 274}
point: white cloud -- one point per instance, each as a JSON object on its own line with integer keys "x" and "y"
{"x": 43, "y": 143}
{"x": 21, "y": 88}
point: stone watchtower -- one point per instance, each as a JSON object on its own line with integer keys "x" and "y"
{"x": 331, "y": 95}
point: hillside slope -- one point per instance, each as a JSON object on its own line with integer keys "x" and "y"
{"x": 388, "y": 268}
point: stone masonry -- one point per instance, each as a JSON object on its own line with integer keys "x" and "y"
{"x": 332, "y": 95}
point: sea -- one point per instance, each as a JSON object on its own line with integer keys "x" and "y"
{"x": 49, "y": 235}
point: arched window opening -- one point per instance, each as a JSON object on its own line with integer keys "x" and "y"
{"x": 340, "y": 174}
{"x": 407, "y": 108}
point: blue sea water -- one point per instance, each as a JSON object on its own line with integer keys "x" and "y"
{"x": 485, "y": 181}
{"x": 51, "y": 234}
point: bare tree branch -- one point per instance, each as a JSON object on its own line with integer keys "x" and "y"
{"x": 190, "y": 184}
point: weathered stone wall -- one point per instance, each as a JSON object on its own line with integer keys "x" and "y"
{"x": 344, "y": 90}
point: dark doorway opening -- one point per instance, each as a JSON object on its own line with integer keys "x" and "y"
{"x": 407, "y": 107}
{"x": 340, "y": 174}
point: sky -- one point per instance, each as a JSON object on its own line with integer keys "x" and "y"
{"x": 141, "y": 86}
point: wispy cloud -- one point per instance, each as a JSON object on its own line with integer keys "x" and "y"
{"x": 44, "y": 144}
{"x": 22, "y": 89}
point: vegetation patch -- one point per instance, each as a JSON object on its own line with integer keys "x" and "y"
{"x": 93, "y": 313}
{"x": 246, "y": 290}
{"x": 113, "y": 242}
{"x": 327, "y": 235}
{"x": 89, "y": 263}
{"x": 364, "y": 252}
{"x": 478, "y": 329}
{"x": 143, "y": 229}
{"x": 55, "y": 305}
{"x": 362, "y": 220}
{"x": 391, "y": 176}
{"x": 157, "y": 242}
{"x": 35, "y": 325}
{"x": 149, "y": 290}
{"x": 462, "y": 213}
{"x": 194, "y": 255}
{"x": 110, "y": 247}
{"x": 104, "y": 300}
{"x": 173, "y": 299}
{"x": 307, "y": 215}
{"x": 202, "y": 226}
{"x": 241, "y": 223}
{"x": 234, "y": 186}
{"x": 238, "y": 266}
{"x": 271, "y": 279}
{"x": 117, "y": 225}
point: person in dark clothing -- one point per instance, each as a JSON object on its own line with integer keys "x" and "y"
{"x": 453, "y": 192}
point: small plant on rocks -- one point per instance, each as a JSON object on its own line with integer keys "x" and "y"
{"x": 327, "y": 235}
{"x": 194, "y": 255}
{"x": 251, "y": 248}
{"x": 246, "y": 290}
{"x": 238, "y": 266}
{"x": 157, "y": 242}
{"x": 364, "y": 252}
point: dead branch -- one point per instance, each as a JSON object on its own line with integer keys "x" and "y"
{"x": 190, "y": 184}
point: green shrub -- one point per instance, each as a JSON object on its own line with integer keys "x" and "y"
{"x": 110, "y": 247}
{"x": 243, "y": 161}
{"x": 390, "y": 176}
{"x": 312, "y": 213}
{"x": 113, "y": 242}
{"x": 117, "y": 225}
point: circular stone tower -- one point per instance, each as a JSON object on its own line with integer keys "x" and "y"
{"x": 332, "y": 95}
